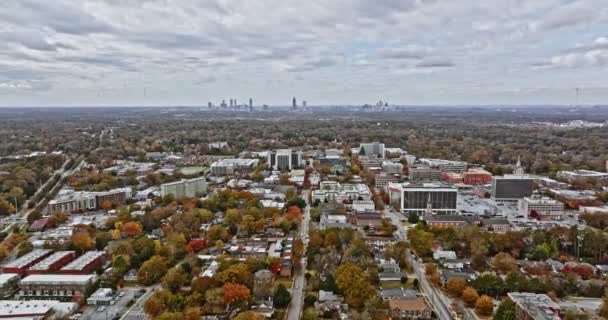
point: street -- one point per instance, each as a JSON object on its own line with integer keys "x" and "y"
{"x": 439, "y": 302}
{"x": 118, "y": 308}
{"x": 297, "y": 293}
{"x": 136, "y": 312}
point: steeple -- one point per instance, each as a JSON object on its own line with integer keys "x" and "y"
{"x": 429, "y": 206}
{"x": 518, "y": 169}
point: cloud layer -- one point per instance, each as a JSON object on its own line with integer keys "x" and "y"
{"x": 176, "y": 52}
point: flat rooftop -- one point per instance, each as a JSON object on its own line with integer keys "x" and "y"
{"x": 14, "y": 309}
{"x": 83, "y": 260}
{"x": 46, "y": 263}
{"x": 57, "y": 278}
{"x": 5, "y": 277}
{"x": 28, "y": 258}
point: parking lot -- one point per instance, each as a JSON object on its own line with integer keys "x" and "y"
{"x": 114, "y": 311}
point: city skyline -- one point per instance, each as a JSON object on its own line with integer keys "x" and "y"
{"x": 418, "y": 52}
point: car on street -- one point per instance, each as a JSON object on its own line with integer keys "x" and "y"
{"x": 101, "y": 309}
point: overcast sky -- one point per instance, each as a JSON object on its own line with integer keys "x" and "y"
{"x": 189, "y": 52}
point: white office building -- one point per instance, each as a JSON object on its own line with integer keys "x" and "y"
{"x": 424, "y": 198}
{"x": 546, "y": 208}
{"x": 372, "y": 149}
{"x": 189, "y": 188}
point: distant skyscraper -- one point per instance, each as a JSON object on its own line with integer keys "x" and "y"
{"x": 293, "y": 103}
{"x": 304, "y": 103}
{"x": 250, "y": 104}
{"x": 209, "y": 104}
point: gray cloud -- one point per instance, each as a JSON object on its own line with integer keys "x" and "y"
{"x": 434, "y": 64}
{"x": 410, "y": 52}
{"x": 371, "y": 47}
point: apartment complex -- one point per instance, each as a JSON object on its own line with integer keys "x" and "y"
{"x": 445, "y": 165}
{"x": 68, "y": 200}
{"x": 331, "y": 191}
{"x": 189, "y": 188}
{"x": 582, "y": 175}
{"x": 285, "y": 159}
{"x": 231, "y": 166}
{"x": 424, "y": 174}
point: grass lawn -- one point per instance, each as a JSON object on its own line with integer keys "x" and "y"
{"x": 287, "y": 282}
{"x": 398, "y": 284}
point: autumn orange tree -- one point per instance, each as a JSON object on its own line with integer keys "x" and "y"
{"x": 469, "y": 296}
{"x": 235, "y": 293}
{"x": 106, "y": 205}
{"x": 82, "y": 240}
{"x": 132, "y": 229}
{"x": 484, "y": 306}
{"x": 456, "y": 285}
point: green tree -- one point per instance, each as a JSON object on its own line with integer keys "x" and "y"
{"x": 310, "y": 314}
{"x": 152, "y": 270}
{"x": 281, "y": 296}
{"x": 505, "y": 311}
{"x": 354, "y": 284}
{"x": 296, "y": 201}
{"x": 174, "y": 279}
{"x": 421, "y": 241}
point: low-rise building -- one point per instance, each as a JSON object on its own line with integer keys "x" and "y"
{"x": 451, "y": 177}
{"x": 499, "y": 225}
{"x": 85, "y": 264}
{"x": 340, "y": 193}
{"x": 21, "y": 264}
{"x": 543, "y": 207}
{"x": 35, "y": 309}
{"x": 424, "y": 174}
{"x": 410, "y": 309}
{"x": 476, "y": 176}
{"x": 52, "y": 263}
{"x": 232, "y": 166}
{"x": 329, "y": 221}
{"x": 101, "y": 297}
{"x": 391, "y": 167}
{"x": 582, "y": 175}
{"x": 531, "y": 306}
{"x": 445, "y": 165}
{"x": 61, "y": 287}
{"x": 382, "y": 180}
{"x": 446, "y": 221}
